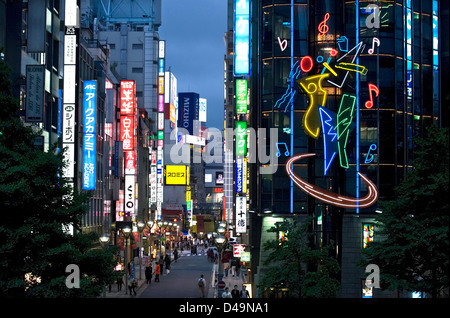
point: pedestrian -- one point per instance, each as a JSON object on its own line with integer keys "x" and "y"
{"x": 238, "y": 267}
{"x": 161, "y": 264}
{"x": 226, "y": 293}
{"x": 132, "y": 285}
{"x": 148, "y": 274}
{"x": 175, "y": 254}
{"x": 227, "y": 268}
{"x": 157, "y": 272}
{"x": 233, "y": 267}
{"x": 167, "y": 260}
{"x": 235, "y": 292}
{"x": 119, "y": 283}
{"x": 244, "y": 292}
{"x": 201, "y": 286}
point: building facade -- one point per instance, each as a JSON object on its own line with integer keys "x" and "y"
{"x": 349, "y": 83}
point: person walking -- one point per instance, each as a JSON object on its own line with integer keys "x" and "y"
{"x": 132, "y": 285}
{"x": 201, "y": 285}
{"x": 161, "y": 264}
{"x": 175, "y": 254}
{"x": 244, "y": 292}
{"x": 157, "y": 272}
{"x": 148, "y": 274}
{"x": 119, "y": 283}
{"x": 235, "y": 292}
{"x": 226, "y": 293}
{"x": 167, "y": 260}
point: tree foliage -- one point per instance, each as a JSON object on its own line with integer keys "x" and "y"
{"x": 37, "y": 206}
{"x": 414, "y": 252}
{"x": 295, "y": 267}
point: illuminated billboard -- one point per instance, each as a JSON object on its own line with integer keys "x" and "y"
{"x": 176, "y": 175}
{"x": 188, "y": 111}
{"x": 241, "y": 96}
{"x": 241, "y": 138}
{"x": 241, "y": 37}
{"x": 89, "y": 134}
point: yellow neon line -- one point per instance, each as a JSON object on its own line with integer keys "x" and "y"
{"x": 329, "y": 68}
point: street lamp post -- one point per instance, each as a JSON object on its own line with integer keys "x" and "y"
{"x": 220, "y": 241}
{"x": 140, "y": 227}
{"x": 126, "y": 233}
{"x": 104, "y": 240}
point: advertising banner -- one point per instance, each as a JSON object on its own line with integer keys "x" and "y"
{"x": 89, "y": 134}
{"x": 242, "y": 37}
{"x": 241, "y": 138}
{"x": 176, "y": 175}
{"x": 188, "y": 111}
{"x": 34, "y": 111}
{"x": 241, "y": 96}
{"x": 241, "y": 214}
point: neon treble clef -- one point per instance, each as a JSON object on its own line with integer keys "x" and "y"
{"x": 323, "y": 27}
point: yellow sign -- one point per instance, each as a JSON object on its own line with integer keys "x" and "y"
{"x": 188, "y": 195}
{"x": 176, "y": 175}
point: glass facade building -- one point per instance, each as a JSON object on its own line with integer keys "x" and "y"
{"x": 384, "y": 59}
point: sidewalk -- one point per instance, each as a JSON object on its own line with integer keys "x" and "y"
{"x": 230, "y": 281}
{"x": 141, "y": 283}
{"x": 125, "y": 293}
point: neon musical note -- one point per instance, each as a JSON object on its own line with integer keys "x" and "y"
{"x": 333, "y": 52}
{"x": 372, "y": 147}
{"x": 372, "y": 88}
{"x": 319, "y": 59}
{"x": 286, "y": 153}
{"x": 283, "y": 44}
{"x": 375, "y": 40}
{"x": 323, "y": 27}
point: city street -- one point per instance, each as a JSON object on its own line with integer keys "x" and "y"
{"x": 182, "y": 280}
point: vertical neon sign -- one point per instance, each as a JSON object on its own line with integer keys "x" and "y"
{"x": 241, "y": 37}
{"x": 89, "y": 134}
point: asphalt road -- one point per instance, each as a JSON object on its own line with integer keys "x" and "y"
{"x": 182, "y": 280}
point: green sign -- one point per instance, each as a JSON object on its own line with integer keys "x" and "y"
{"x": 241, "y": 96}
{"x": 245, "y": 256}
{"x": 160, "y": 134}
{"x": 241, "y": 138}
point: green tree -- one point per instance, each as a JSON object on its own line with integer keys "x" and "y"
{"x": 292, "y": 265}
{"x": 414, "y": 252}
{"x": 37, "y": 206}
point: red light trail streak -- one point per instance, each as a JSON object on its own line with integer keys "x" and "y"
{"x": 328, "y": 196}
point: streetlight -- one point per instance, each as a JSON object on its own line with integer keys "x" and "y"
{"x": 126, "y": 233}
{"x": 104, "y": 240}
{"x": 220, "y": 241}
{"x": 140, "y": 227}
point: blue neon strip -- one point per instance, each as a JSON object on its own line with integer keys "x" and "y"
{"x": 357, "y": 109}
{"x": 292, "y": 105}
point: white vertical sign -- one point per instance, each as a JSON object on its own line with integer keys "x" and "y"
{"x": 241, "y": 214}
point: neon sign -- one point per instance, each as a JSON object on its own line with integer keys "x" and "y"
{"x": 242, "y": 37}
{"x": 312, "y": 85}
{"x": 89, "y": 134}
{"x": 328, "y": 196}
